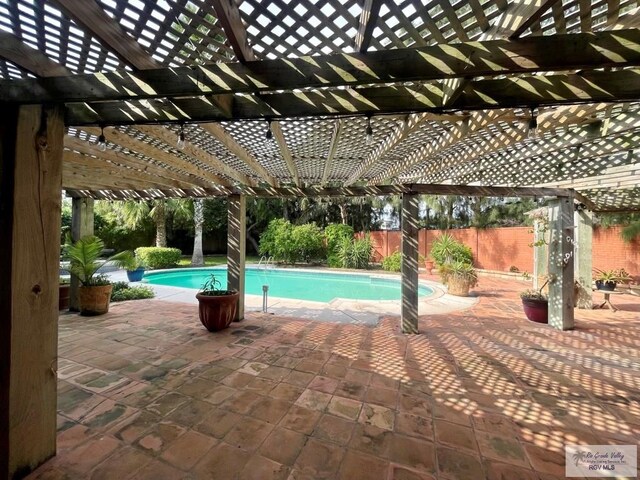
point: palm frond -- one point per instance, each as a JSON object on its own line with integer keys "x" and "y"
{"x": 631, "y": 231}
{"x": 84, "y": 256}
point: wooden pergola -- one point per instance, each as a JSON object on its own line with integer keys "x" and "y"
{"x": 279, "y": 98}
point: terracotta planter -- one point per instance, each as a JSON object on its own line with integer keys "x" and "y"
{"x": 94, "y": 300}
{"x": 135, "y": 275}
{"x": 217, "y": 311}
{"x": 536, "y": 310}
{"x": 429, "y": 265}
{"x": 458, "y": 286}
{"x": 64, "y": 290}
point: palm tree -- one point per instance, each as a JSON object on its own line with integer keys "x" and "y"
{"x": 197, "y": 259}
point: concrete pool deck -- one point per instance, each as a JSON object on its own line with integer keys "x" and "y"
{"x": 345, "y": 311}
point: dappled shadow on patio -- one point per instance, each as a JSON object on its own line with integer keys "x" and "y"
{"x": 146, "y": 392}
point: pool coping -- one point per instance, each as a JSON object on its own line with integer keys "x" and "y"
{"x": 339, "y": 310}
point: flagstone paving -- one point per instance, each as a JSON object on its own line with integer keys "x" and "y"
{"x": 145, "y": 392}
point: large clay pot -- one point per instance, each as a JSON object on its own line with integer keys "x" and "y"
{"x": 536, "y": 310}
{"x": 217, "y": 311}
{"x": 458, "y": 286}
{"x": 135, "y": 275}
{"x": 429, "y": 265}
{"x": 94, "y": 300}
{"x": 64, "y": 291}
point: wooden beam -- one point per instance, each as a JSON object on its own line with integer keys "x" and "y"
{"x": 126, "y": 160}
{"x": 561, "y": 264}
{"x": 236, "y": 248}
{"x": 224, "y": 137}
{"x": 512, "y": 92}
{"x": 27, "y": 58}
{"x": 531, "y": 19}
{"x": 77, "y": 177}
{"x": 127, "y": 141}
{"x": 583, "y": 51}
{"x": 92, "y": 17}
{"x": 368, "y": 20}
{"x": 101, "y": 168}
{"x": 285, "y": 152}
{"x": 452, "y": 89}
{"x": 30, "y": 205}
{"x": 409, "y": 263}
{"x": 229, "y": 16}
{"x": 82, "y": 223}
{"x": 333, "y": 148}
{"x": 511, "y": 18}
{"x": 377, "y": 190}
{"x": 194, "y": 151}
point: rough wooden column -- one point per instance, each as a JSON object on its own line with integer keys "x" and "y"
{"x": 540, "y": 253}
{"x": 561, "y": 264}
{"x": 31, "y": 143}
{"x": 236, "y": 248}
{"x": 583, "y": 252}
{"x": 409, "y": 315}
{"x": 81, "y": 226}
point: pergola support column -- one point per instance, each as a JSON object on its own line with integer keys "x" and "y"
{"x": 561, "y": 264}
{"x": 540, "y": 253}
{"x": 584, "y": 264}
{"x": 409, "y": 314}
{"x": 31, "y": 144}
{"x": 236, "y": 248}
{"x": 81, "y": 226}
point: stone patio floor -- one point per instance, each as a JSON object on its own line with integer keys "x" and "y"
{"x": 146, "y": 393}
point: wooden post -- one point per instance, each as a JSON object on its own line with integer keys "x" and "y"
{"x": 409, "y": 315}
{"x": 540, "y": 253}
{"x": 561, "y": 264}
{"x": 584, "y": 265}
{"x": 81, "y": 226}
{"x": 31, "y": 144}
{"x": 236, "y": 249}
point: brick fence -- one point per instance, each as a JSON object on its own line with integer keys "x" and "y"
{"x": 503, "y": 248}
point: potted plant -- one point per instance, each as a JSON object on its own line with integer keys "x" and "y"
{"x": 64, "y": 290}
{"x": 428, "y": 263}
{"x": 536, "y": 304}
{"x": 607, "y": 280}
{"x": 217, "y": 308}
{"x": 459, "y": 276}
{"x": 132, "y": 264}
{"x": 94, "y": 293}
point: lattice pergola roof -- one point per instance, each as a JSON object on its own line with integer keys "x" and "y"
{"x": 449, "y": 89}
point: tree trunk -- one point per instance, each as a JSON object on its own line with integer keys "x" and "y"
{"x": 343, "y": 213}
{"x": 197, "y": 259}
{"x": 161, "y": 224}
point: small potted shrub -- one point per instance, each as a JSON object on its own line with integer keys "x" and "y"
{"x": 428, "y": 263}
{"x": 536, "y": 304}
{"x": 607, "y": 280}
{"x": 459, "y": 276}
{"x": 95, "y": 290}
{"x": 64, "y": 291}
{"x": 132, "y": 264}
{"x": 217, "y": 308}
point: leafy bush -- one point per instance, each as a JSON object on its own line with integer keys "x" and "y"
{"x": 291, "y": 244}
{"x": 158, "y": 257}
{"x": 393, "y": 262}
{"x": 122, "y": 291}
{"x": 447, "y": 249}
{"x": 460, "y": 270}
{"x": 355, "y": 253}
{"x": 335, "y": 234}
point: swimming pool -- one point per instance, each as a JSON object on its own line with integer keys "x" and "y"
{"x": 286, "y": 283}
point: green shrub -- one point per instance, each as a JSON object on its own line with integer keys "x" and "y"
{"x": 355, "y": 253}
{"x": 291, "y": 244}
{"x": 447, "y": 249}
{"x": 158, "y": 257}
{"x": 393, "y": 262}
{"x": 308, "y": 242}
{"x": 122, "y": 291}
{"x": 335, "y": 234}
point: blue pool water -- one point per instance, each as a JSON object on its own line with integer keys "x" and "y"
{"x": 301, "y": 285}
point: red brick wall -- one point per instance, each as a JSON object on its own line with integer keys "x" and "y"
{"x": 502, "y": 248}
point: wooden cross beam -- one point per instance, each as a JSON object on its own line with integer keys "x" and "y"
{"x": 333, "y": 147}
{"x": 368, "y": 19}
{"x": 583, "y": 51}
{"x": 27, "y": 58}
{"x": 512, "y": 92}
